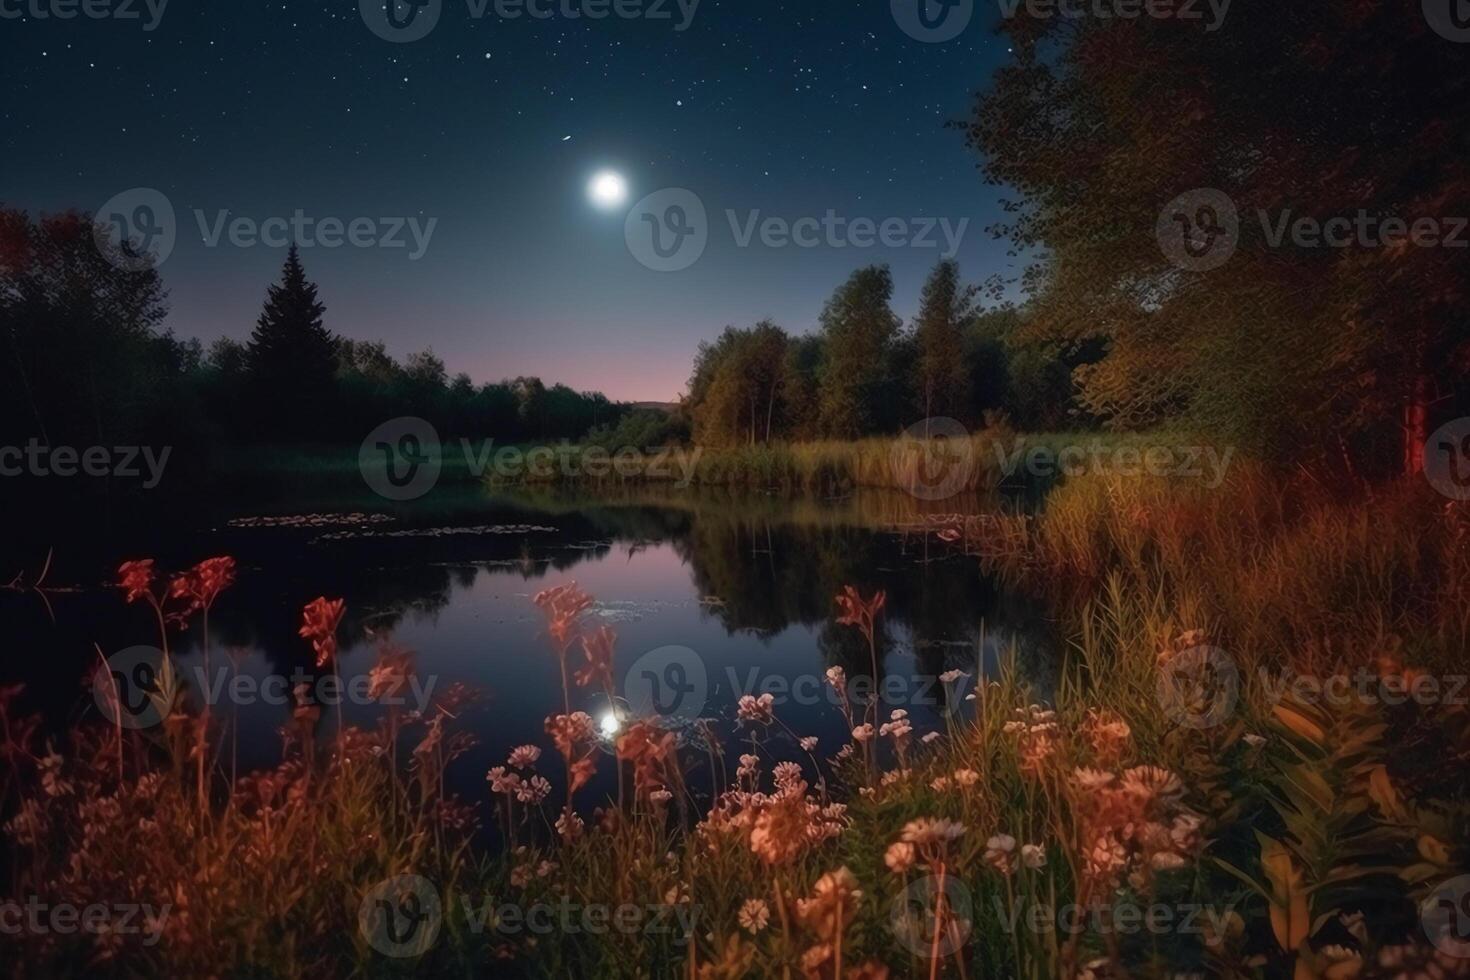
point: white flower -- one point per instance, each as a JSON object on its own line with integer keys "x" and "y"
{"x": 1033, "y": 856}
{"x": 899, "y": 857}
{"x": 755, "y": 915}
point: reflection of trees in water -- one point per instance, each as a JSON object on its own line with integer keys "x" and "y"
{"x": 771, "y": 567}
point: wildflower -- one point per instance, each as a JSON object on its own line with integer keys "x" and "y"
{"x": 1184, "y": 833}
{"x": 569, "y": 826}
{"x": 809, "y": 743}
{"x": 899, "y": 728}
{"x": 660, "y": 796}
{"x": 135, "y": 578}
{"x": 929, "y": 737}
{"x": 1105, "y": 858}
{"x": 844, "y": 752}
{"x": 563, "y": 606}
{"x": 857, "y": 611}
{"x": 502, "y": 781}
{"x": 966, "y": 777}
{"x": 598, "y": 646}
{"x": 939, "y": 784}
{"x": 1033, "y": 856}
{"x": 756, "y": 709}
{"x": 837, "y": 677}
{"x": 930, "y": 831}
{"x": 390, "y": 676}
{"x": 1000, "y": 853}
{"x": 319, "y": 621}
{"x": 1152, "y": 782}
{"x": 52, "y": 781}
{"x": 822, "y": 913}
{"x": 788, "y": 777}
{"x": 524, "y": 756}
{"x": 755, "y": 915}
{"x": 203, "y": 583}
{"x": 779, "y": 832}
{"x": 750, "y": 766}
{"x": 813, "y": 959}
{"x": 950, "y": 676}
{"x": 1107, "y": 734}
{"x": 1092, "y": 779}
{"x": 899, "y": 857}
{"x": 533, "y": 790}
{"x": 863, "y": 732}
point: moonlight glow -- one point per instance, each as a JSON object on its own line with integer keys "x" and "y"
{"x": 608, "y": 189}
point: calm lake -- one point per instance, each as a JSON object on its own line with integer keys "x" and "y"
{"x": 712, "y": 597}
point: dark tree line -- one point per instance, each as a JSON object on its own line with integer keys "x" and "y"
{"x": 86, "y": 360}
{"x": 863, "y": 372}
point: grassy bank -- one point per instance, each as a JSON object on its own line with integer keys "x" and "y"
{"x": 1272, "y": 834}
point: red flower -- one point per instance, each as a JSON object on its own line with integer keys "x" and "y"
{"x": 598, "y": 645}
{"x": 319, "y": 620}
{"x": 203, "y": 583}
{"x": 136, "y": 577}
{"x": 563, "y": 606}
{"x": 857, "y": 611}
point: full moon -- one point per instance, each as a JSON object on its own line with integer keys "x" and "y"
{"x": 607, "y": 189}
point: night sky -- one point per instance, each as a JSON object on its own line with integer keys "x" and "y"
{"x": 792, "y": 108}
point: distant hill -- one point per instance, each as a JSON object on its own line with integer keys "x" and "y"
{"x": 666, "y": 407}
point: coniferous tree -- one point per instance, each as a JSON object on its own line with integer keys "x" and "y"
{"x": 946, "y": 308}
{"x": 292, "y": 358}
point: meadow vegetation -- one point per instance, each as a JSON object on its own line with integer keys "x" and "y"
{"x": 1281, "y": 835}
